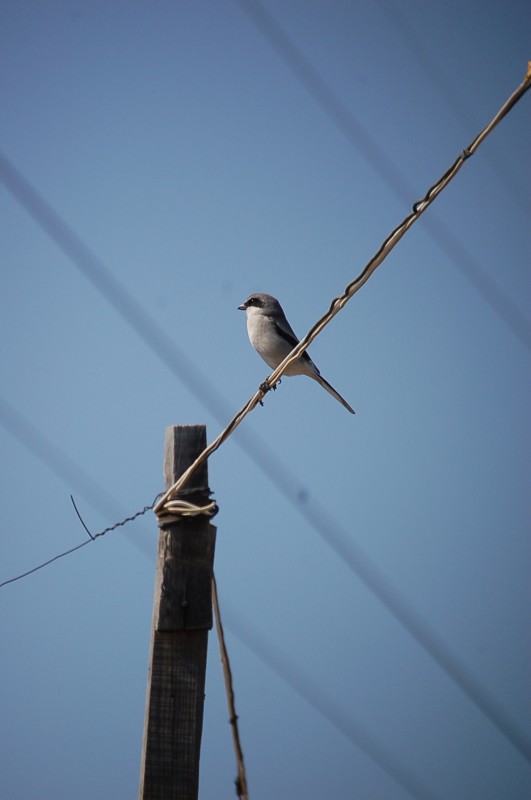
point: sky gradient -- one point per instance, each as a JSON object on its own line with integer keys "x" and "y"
{"x": 372, "y": 570}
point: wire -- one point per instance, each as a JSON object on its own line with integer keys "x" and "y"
{"x": 241, "y": 781}
{"x": 338, "y": 303}
{"x": 446, "y": 88}
{"x": 383, "y": 165}
{"x": 46, "y": 563}
{"x": 116, "y": 294}
{"x": 305, "y": 687}
{"x": 58, "y": 462}
{"x": 64, "y": 467}
{"x": 93, "y": 537}
{"x": 272, "y": 466}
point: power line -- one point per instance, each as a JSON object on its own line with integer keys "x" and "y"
{"x": 272, "y": 466}
{"x": 67, "y": 470}
{"x": 123, "y": 302}
{"x": 446, "y": 89}
{"x": 383, "y": 165}
{"x": 56, "y": 460}
{"x": 336, "y": 715}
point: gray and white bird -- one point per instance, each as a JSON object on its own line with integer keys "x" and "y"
{"x": 273, "y": 338}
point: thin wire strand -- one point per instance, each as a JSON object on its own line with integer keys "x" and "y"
{"x": 241, "y": 781}
{"x": 46, "y": 563}
{"x": 338, "y": 303}
{"x": 80, "y": 518}
{"x": 93, "y": 537}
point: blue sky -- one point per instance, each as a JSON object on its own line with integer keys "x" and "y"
{"x": 190, "y": 155}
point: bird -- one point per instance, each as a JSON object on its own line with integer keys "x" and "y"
{"x": 273, "y": 338}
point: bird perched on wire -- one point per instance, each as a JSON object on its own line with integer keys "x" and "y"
{"x": 273, "y": 338}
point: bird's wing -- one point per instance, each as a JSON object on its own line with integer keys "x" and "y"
{"x": 285, "y": 331}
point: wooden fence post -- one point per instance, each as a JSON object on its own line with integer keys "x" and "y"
{"x": 182, "y": 617}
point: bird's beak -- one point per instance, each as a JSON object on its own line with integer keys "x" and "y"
{"x": 242, "y": 307}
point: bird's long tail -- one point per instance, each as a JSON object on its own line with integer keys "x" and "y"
{"x": 332, "y": 391}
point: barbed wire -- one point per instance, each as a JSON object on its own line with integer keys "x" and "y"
{"x": 93, "y": 537}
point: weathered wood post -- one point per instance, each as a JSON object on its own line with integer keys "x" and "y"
{"x": 182, "y": 617}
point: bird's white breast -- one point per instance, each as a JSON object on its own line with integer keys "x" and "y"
{"x": 264, "y": 339}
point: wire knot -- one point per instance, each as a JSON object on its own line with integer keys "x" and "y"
{"x": 179, "y": 509}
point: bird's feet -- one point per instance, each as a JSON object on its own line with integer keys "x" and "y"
{"x": 265, "y": 387}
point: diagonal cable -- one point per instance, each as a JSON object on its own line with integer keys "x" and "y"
{"x": 337, "y": 715}
{"x": 66, "y": 469}
{"x": 423, "y": 52}
{"x": 384, "y": 166}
